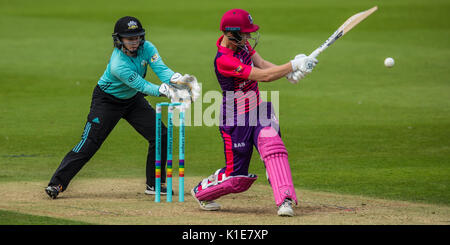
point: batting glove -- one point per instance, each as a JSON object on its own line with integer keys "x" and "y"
{"x": 295, "y": 76}
{"x": 303, "y": 63}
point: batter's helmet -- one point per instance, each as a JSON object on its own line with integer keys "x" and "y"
{"x": 237, "y": 20}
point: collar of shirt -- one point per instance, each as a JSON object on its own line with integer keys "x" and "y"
{"x": 223, "y": 49}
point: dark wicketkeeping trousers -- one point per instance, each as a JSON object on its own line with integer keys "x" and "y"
{"x": 105, "y": 112}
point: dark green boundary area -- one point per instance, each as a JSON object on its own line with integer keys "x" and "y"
{"x": 14, "y": 218}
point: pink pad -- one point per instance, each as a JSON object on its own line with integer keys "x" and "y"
{"x": 212, "y": 188}
{"x": 275, "y": 156}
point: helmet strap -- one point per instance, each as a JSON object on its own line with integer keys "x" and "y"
{"x": 116, "y": 40}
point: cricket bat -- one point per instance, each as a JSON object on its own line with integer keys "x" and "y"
{"x": 343, "y": 29}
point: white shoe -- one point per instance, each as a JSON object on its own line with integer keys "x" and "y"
{"x": 285, "y": 209}
{"x": 206, "y": 205}
{"x": 150, "y": 190}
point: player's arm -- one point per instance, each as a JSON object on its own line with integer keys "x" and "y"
{"x": 133, "y": 79}
{"x": 265, "y": 71}
{"x": 233, "y": 67}
{"x": 166, "y": 75}
{"x": 161, "y": 70}
{"x": 261, "y": 63}
{"x": 270, "y": 74}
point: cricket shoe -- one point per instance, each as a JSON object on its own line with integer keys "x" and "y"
{"x": 285, "y": 209}
{"x": 206, "y": 205}
{"x": 53, "y": 190}
{"x": 152, "y": 191}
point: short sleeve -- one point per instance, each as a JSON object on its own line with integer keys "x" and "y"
{"x": 230, "y": 66}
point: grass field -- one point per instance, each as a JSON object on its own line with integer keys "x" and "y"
{"x": 13, "y": 218}
{"x": 352, "y": 127}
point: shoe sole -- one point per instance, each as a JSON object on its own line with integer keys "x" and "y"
{"x": 154, "y": 193}
{"x": 51, "y": 194}
{"x": 198, "y": 201}
{"x": 286, "y": 214}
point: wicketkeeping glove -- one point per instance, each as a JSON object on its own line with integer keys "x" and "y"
{"x": 187, "y": 82}
{"x": 175, "y": 94}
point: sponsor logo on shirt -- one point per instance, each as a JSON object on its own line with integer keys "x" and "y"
{"x": 239, "y": 145}
{"x": 154, "y": 58}
{"x": 132, "y": 77}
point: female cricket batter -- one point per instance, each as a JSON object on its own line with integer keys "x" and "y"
{"x": 238, "y": 69}
{"x": 120, "y": 94}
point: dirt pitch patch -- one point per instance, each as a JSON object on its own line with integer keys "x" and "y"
{"x": 123, "y": 202}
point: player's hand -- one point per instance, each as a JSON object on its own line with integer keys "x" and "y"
{"x": 176, "y": 77}
{"x": 188, "y": 82}
{"x": 175, "y": 94}
{"x": 303, "y": 63}
{"x": 166, "y": 90}
{"x": 295, "y": 76}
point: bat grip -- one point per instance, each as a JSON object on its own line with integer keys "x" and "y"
{"x": 315, "y": 53}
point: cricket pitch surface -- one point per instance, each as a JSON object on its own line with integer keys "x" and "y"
{"x": 123, "y": 202}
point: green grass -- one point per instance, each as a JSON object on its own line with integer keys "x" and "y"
{"x": 353, "y": 126}
{"x": 13, "y": 218}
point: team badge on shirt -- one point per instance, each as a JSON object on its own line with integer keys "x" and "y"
{"x": 238, "y": 69}
{"x": 154, "y": 58}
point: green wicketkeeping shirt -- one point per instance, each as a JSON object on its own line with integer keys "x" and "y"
{"x": 124, "y": 75}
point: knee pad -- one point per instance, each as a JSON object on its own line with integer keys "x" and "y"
{"x": 275, "y": 157}
{"x": 269, "y": 143}
{"x": 219, "y": 184}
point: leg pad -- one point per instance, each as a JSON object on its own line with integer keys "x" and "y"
{"x": 218, "y": 185}
{"x": 275, "y": 157}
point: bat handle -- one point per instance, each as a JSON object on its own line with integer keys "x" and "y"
{"x": 315, "y": 53}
